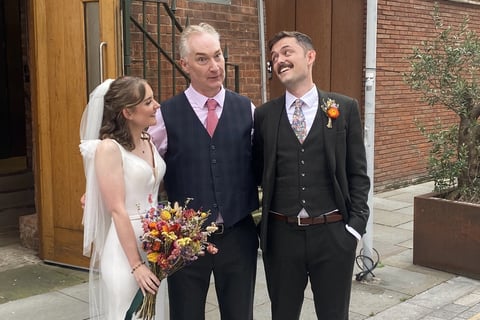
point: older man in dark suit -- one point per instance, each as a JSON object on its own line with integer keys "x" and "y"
{"x": 205, "y": 136}
{"x": 310, "y": 161}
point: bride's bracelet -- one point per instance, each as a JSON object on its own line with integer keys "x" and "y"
{"x": 137, "y": 266}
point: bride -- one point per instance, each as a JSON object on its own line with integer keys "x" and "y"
{"x": 123, "y": 169}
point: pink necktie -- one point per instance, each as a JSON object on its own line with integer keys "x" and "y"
{"x": 212, "y": 118}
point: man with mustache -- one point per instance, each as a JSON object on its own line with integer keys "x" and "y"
{"x": 210, "y": 160}
{"x": 310, "y": 160}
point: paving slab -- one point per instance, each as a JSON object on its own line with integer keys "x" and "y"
{"x": 388, "y": 204}
{"x": 52, "y": 306}
{"x": 390, "y": 234}
{"x": 442, "y": 294}
{"x": 34, "y": 279}
{"x": 403, "y": 311}
{"x": 390, "y": 219}
{"x": 368, "y": 298}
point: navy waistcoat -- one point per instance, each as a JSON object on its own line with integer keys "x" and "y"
{"x": 215, "y": 171}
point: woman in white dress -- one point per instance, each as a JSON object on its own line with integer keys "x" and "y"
{"x": 123, "y": 170}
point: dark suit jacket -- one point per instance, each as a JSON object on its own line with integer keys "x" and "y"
{"x": 345, "y": 153}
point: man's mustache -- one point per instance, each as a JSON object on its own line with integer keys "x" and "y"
{"x": 283, "y": 65}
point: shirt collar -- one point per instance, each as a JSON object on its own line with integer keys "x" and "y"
{"x": 310, "y": 98}
{"x": 199, "y": 100}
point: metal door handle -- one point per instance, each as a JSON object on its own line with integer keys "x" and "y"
{"x": 100, "y": 48}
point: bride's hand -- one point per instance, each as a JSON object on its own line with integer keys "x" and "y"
{"x": 146, "y": 279}
{"x": 82, "y": 200}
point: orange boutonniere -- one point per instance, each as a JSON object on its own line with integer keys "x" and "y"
{"x": 330, "y": 107}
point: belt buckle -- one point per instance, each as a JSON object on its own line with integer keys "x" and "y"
{"x": 221, "y": 228}
{"x": 301, "y": 224}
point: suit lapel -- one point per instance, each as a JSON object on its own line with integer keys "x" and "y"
{"x": 270, "y": 129}
{"x": 329, "y": 134}
{"x": 273, "y": 123}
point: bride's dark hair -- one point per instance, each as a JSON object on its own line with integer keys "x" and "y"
{"x": 124, "y": 92}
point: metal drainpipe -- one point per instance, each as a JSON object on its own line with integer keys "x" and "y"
{"x": 369, "y": 138}
{"x": 263, "y": 63}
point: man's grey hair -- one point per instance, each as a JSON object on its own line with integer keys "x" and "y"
{"x": 195, "y": 29}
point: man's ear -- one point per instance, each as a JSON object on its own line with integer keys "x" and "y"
{"x": 311, "y": 54}
{"x": 184, "y": 65}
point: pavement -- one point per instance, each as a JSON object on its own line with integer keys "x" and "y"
{"x": 399, "y": 290}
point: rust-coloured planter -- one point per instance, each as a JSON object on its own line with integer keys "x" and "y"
{"x": 446, "y": 235}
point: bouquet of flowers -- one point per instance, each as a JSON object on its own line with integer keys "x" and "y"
{"x": 173, "y": 237}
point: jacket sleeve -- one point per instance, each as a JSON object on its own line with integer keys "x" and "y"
{"x": 356, "y": 170}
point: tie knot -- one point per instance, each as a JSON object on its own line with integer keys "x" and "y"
{"x": 211, "y": 104}
{"x": 298, "y": 103}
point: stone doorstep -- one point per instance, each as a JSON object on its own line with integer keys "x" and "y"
{"x": 28, "y": 227}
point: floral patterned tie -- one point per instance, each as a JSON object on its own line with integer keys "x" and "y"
{"x": 299, "y": 125}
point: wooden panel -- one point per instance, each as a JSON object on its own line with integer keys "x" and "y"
{"x": 337, "y": 31}
{"x": 68, "y": 245}
{"x": 68, "y": 101}
{"x": 59, "y": 96}
{"x": 315, "y": 19}
{"x": 347, "y": 47}
{"x": 280, "y": 15}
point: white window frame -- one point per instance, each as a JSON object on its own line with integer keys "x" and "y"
{"x": 217, "y": 1}
{"x": 475, "y": 2}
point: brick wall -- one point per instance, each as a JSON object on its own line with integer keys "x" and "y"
{"x": 400, "y": 149}
{"x": 237, "y": 24}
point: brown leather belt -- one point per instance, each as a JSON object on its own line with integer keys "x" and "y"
{"x": 326, "y": 218}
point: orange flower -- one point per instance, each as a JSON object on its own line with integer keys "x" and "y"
{"x": 333, "y": 112}
{"x": 152, "y": 225}
{"x": 330, "y": 107}
{"x": 156, "y": 246}
{"x": 165, "y": 228}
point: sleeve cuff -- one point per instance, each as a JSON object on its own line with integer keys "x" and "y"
{"x": 353, "y": 232}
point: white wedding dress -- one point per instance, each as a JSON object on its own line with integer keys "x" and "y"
{"x": 114, "y": 287}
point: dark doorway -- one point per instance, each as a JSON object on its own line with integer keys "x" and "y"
{"x": 12, "y": 103}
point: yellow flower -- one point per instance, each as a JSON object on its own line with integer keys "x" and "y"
{"x": 176, "y": 207}
{"x": 184, "y": 241}
{"x": 165, "y": 215}
{"x": 170, "y": 235}
{"x": 152, "y": 257}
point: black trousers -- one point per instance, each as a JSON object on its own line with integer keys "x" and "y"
{"x": 323, "y": 254}
{"x": 234, "y": 269}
